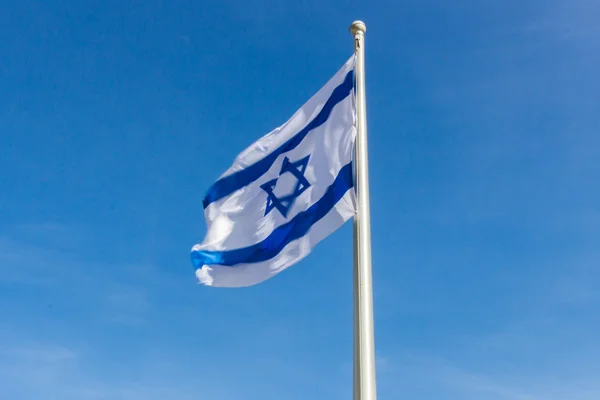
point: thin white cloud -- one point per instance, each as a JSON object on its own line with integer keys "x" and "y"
{"x": 54, "y": 372}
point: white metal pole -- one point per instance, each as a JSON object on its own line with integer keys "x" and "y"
{"x": 364, "y": 336}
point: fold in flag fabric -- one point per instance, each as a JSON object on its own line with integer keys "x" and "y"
{"x": 284, "y": 193}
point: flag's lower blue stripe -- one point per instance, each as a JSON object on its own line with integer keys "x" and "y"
{"x": 284, "y": 234}
{"x": 229, "y": 184}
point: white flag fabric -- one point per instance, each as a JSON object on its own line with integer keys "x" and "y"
{"x": 284, "y": 193}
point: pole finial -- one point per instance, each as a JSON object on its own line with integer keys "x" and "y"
{"x": 358, "y": 26}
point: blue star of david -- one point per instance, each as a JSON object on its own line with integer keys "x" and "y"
{"x": 283, "y": 204}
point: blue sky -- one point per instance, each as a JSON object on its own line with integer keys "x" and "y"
{"x": 116, "y": 116}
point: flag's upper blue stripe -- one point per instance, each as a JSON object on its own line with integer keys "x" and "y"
{"x": 284, "y": 234}
{"x": 230, "y": 183}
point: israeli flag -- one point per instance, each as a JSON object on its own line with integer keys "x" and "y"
{"x": 284, "y": 193}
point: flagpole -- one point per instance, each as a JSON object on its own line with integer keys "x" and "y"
{"x": 364, "y": 336}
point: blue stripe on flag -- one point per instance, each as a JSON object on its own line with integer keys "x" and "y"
{"x": 284, "y": 234}
{"x": 230, "y": 183}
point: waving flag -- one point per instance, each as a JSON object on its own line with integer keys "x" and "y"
{"x": 284, "y": 193}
